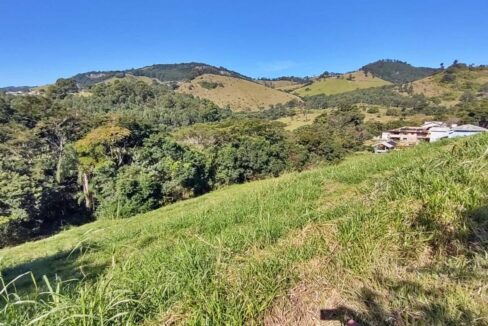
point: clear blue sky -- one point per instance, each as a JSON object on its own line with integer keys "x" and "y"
{"x": 41, "y": 40}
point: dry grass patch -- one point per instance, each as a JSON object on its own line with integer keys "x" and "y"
{"x": 238, "y": 94}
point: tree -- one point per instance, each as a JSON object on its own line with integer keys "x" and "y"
{"x": 62, "y": 88}
{"x": 106, "y": 143}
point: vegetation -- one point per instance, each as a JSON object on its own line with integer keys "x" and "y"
{"x": 210, "y": 85}
{"x": 60, "y": 150}
{"x": 337, "y": 84}
{"x": 245, "y": 254}
{"x": 386, "y": 96}
{"x": 396, "y": 71}
{"x": 80, "y": 160}
{"x": 129, "y": 147}
{"x": 450, "y": 85}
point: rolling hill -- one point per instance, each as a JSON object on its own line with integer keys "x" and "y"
{"x": 340, "y": 84}
{"x": 161, "y": 72}
{"x": 449, "y": 85}
{"x": 282, "y": 251}
{"x": 131, "y": 77}
{"x": 237, "y": 93}
{"x": 282, "y": 85}
{"x": 15, "y": 89}
{"x": 396, "y": 71}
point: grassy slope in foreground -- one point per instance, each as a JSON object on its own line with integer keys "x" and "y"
{"x": 396, "y": 237}
{"x": 333, "y": 85}
{"x": 237, "y": 93}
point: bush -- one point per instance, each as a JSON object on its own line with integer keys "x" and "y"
{"x": 392, "y": 112}
{"x": 210, "y": 85}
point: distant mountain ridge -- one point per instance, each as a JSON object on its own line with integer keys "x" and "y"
{"x": 396, "y": 71}
{"x": 163, "y": 72}
{"x": 15, "y": 89}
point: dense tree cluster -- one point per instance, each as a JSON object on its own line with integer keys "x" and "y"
{"x": 396, "y": 71}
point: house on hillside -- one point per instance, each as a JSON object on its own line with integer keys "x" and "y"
{"x": 466, "y": 130}
{"x": 409, "y": 136}
{"x": 430, "y": 131}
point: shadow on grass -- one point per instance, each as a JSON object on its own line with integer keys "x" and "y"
{"x": 478, "y": 238}
{"x": 65, "y": 265}
{"x": 425, "y": 300}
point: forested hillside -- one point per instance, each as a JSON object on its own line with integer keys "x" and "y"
{"x": 161, "y": 72}
{"x": 396, "y": 71}
{"x": 127, "y": 147}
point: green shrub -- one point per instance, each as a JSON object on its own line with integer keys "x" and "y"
{"x": 210, "y": 85}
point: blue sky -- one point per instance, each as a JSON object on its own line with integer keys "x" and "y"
{"x": 41, "y": 40}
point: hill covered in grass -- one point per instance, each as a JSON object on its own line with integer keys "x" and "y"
{"x": 397, "y": 72}
{"x": 340, "y": 84}
{"x": 236, "y": 93}
{"x": 454, "y": 84}
{"x": 160, "y": 72}
{"x": 407, "y": 249}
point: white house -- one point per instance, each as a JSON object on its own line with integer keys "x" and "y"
{"x": 466, "y": 130}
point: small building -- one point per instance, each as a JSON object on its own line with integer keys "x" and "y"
{"x": 384, "y": 147}
{"x": 466, "y": 130}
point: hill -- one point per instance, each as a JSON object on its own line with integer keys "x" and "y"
{"x": 281, "y": 85}
{"x": 396, "y": 71}
{"x": 279, "y": 251}
{"x": 132, "y": 78}
{"x": 237, "y": 93}
{"x": 161, "y": 72}
{"x": 449, "y": 85}
{"x": 340, "y": 84}
{"x": 15, "y": 89}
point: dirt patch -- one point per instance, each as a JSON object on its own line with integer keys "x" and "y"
{"x": 316, "y": 300}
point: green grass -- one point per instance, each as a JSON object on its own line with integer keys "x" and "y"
{"x": 333, "y": 85}
{"x": 407, "y": 229}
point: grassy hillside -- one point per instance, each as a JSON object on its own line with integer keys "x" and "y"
{"x": 301, "y": 118}
{"x": 397, "y": 72}
{"x": 282, "y": 85}
{"x": 307, "y": 117}
{"x": 335, "y": 85}
{"x": 130, "y": 77}
{"x": 236, "y": 93}
{"x": 451, "y": 84}
{"x": 407, "y": 249}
